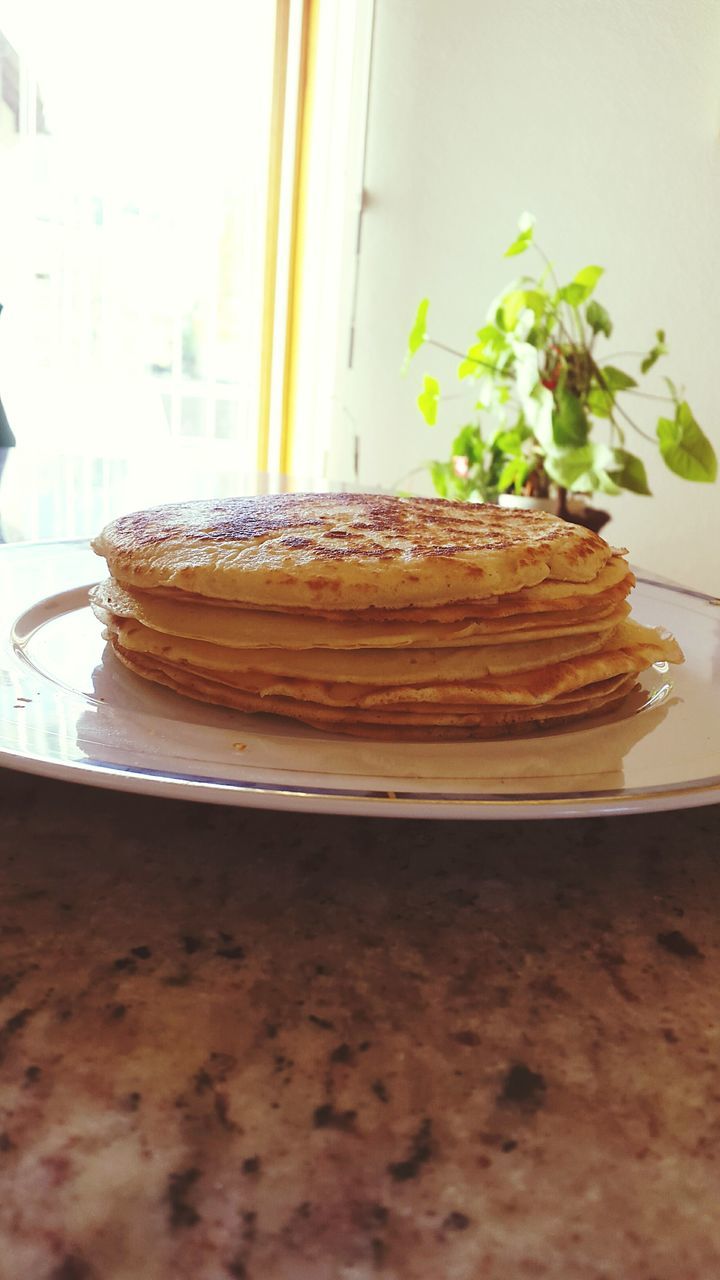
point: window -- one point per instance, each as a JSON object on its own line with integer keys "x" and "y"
{"x": 168, "y": 173}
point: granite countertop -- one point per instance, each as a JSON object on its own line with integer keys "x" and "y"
{"x": 295, "y": 1047}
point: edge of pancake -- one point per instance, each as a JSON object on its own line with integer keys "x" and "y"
{"x": 242, "y": 628}
{"x": 388, "y": 728}
{"x": 630, "y": 650}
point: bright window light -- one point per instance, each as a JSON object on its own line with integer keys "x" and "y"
{"x": 133, "y": 165}
{"x": 135, "y": 150}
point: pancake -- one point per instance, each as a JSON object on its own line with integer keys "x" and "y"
{"x": 365, "y": 666}
{"x": 413, "y": 619}
{"x": 346, "y": 551}
{"x": 243, "y": 628}
{"x": 396, "y": 725}
{"x": 630, "y": 649}
{"x": 612, "y": 583}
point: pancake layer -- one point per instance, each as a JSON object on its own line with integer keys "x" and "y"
{"x": 346, "y": 551}
{"x": 414, "y": 619}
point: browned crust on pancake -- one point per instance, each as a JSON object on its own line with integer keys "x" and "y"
{"x": 344, "y": 551}
{"x": 428, "y": 527}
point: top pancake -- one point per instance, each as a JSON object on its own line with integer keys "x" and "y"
{"x": 346, "y": 551}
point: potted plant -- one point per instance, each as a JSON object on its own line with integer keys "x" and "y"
{"x": 551, "y": 413}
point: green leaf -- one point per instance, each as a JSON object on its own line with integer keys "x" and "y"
{"x": 507, "y": 475}
{"x": 581, "y": 286}
{"x": 488, "y": 354}
{"x": 511, "y": 442}
{"x": 588, "y": 277}
{"x": 606, "y": 483}
{"x": 584, "y": 469}
{"x": 569, "y": 422}
{"x": 572, "y": 293}
{"x": 616, "y": 379}
{"x": 572, "y": 468}
{"x": 539, "y": 414}
{"x": 655, "y": 352}
{"x": 469, "y": 444}
{"x": 461, "y": 488}
{"x": 473, "y": 363}
{"x": 427, "y": 401}
{"x": 515, "y": 472}
{"x": 492, "y": 338}
{"x": 418, "y": 333}
{"x": 600, "y": 402}
{"x": 519, "y": 245}
{"x": 598, "y": 318}
{"x": 526, "y": 224}
{"x": 685, "y": 447}
{"x": 439, "y": 473}
{"x": 629, "y": 472}
{"x": 477, "y": 362}
{"x": 518, "y": 300}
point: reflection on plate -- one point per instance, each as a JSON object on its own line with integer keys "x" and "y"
{"x": 68, "y": 709}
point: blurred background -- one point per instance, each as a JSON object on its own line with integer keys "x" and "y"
{"x": 172, "y": 219}
{"x": 216, "y": 225}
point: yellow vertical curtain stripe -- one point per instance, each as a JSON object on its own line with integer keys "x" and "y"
{"x": 299, "y": 179}
{"x": 277, "y": 127}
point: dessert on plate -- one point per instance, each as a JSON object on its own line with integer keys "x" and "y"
{"x": 391, "y": 618}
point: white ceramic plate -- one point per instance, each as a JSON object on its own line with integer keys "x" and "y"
{"x": 69, "y": 710}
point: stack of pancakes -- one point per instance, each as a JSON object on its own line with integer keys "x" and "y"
{"x": 401, "y": 618}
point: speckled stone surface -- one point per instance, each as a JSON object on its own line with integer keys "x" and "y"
{"x": 239, "y": 1044}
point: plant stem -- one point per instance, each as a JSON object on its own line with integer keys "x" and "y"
{"x": 547, "y": 262}
{"x": 556, "y": 282}
{"x": 601, "y": 380}
{"x": 634, "y": 425}
{"x": 578, "y": 326}
{"x": 618, "y": 355}
{"x": 442, "y": 346}
{"x": 646, "y": 395}
{"x": 616, "y": 429}
{"x": 564, "y": 331}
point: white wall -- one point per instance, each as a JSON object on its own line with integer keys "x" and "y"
{"x": 603, "y": 119}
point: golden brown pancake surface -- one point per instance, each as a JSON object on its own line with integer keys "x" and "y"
{"x": 346, "y": 551}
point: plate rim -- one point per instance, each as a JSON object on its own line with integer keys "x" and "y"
{"x": 359, "y": 801}
{"x": 371, "y": 803}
